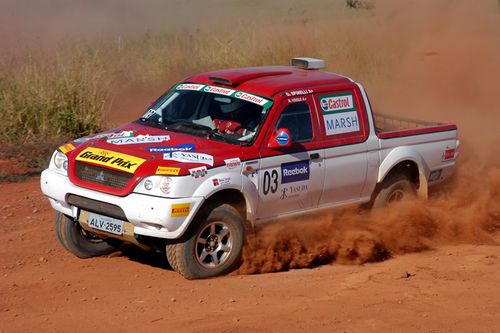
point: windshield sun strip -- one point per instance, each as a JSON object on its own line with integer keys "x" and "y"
{"x": 242, "y": 95}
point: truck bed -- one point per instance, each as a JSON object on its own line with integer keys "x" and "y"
{"x": 388, "y": 126}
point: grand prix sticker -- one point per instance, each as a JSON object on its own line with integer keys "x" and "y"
{"x": 168, "y": 149}
{"x": 294, "y": 171}
{"x": 180, "y": 210}
{"x": 339, "y": 113}
{"x": 110, "y": 159}
{"x": 162, "y": 170}
{"x": 198, "y": 172}
{"x": 187, "y": 157}
{"x": 139, "y": 139}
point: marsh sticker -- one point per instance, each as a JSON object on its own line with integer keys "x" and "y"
{"x": 139, "y": 139}
{"x": 187, "y": 157}
{"x": 339, "y": 123}
{"x": 233, "y": 163}
{"x": 167, "y": 149}
{"x": 190, "y": 86}
{"x": 198, "y": 172}
{"x": 110, "y": 159}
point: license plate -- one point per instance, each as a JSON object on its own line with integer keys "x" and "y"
{"x": 105, "y": 223}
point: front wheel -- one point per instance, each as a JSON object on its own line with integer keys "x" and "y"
{"x": 78, "y": 241}
{"x": 213, "y": 246}
{"x": 394, "y": 189}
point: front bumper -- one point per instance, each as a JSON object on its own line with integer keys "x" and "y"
{"x": 150, "y": 215}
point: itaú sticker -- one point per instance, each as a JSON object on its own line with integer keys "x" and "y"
{"x": 162, "y": 170}
{"x": 67, "y": 148}
{"x": 179, "y": 210}
{"x": 198, "y": 172}
{"x": 282, "y": 138}
{"x": 188, "y": 157}
{"x": 110, "y": 159}
{"x": 233, "y": 163}
{"x": 139, "y": 139}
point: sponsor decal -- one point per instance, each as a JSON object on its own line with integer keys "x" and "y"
{"x": 162, "y": 170}
{"x": 337, "y": 103}
{"x": 299, "y": 92}
{"x": 221, "y": 181}
{"x": 190, "y": 86}
{"x": 227, "y": 92}
{"x": 282, "y": 138}
{"x": 187, "y": 157}
{"x": 339, "y": 113}
{"x": 110, "y": 159}
{"x": 250, "y": 98}
{"x": 179, "y": 210}
{"x": 219, "y": 90}
{"x": 198, "y": 172}
{"x": 293, "y": 191}
{"x": 168, "y": 149}
{"x": 67, "y": 148}
{"x": 294, "y": 172}
{"x": 122, "y": 134}
{"x": 297, "y": 99}
{"x": 448, "y": 154}
{"x": 139, "y": 139}
{"x": 126, "y": 133}
{"x": 233, "y": 163}
{"x": 339, "y": 123}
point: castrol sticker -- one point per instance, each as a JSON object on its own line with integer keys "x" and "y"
{"x": 337, "y": 103}
{"x": 339, "y": 114}
{"x": 190, "y": 86}
{"x": 219, "y": 90}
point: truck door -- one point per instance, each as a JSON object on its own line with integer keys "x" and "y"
{"x": 290, "y": 179}
{"x": 344, "y": 129}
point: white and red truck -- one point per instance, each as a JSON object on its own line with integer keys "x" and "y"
{"x": 226, "y": 150}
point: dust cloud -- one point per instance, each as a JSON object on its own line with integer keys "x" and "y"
{"x": 450, "y": 73}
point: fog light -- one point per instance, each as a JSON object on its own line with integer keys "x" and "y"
{"x": 148, "y": 185}
{"x": 165, "y": 184}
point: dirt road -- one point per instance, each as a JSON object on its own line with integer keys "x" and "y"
{"x": 45, "y": 289}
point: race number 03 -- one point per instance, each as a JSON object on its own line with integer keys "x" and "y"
{"x": 270, "y": 182}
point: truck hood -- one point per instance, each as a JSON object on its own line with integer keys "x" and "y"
{"x": 137, "y": 151}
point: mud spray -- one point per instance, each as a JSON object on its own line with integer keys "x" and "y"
{"x": 451, "y": 73}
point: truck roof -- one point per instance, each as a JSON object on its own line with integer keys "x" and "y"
{"x": 269, "y": 80}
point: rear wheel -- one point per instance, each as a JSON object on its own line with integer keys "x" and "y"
{"x": 394, "y": 189}
{"x": 78, "y": 241}
{"x": 213, "y": 246}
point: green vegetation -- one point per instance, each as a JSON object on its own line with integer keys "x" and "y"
{"x": 47, "y": 98}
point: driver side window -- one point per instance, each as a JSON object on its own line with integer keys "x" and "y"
{"x": 297, "y": 119}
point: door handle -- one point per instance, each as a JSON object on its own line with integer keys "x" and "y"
{"x": 314, "y": 156}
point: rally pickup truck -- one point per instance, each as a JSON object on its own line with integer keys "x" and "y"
{"x": 226, "y": 150}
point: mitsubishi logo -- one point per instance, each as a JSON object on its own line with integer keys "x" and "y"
{"x": 100, "y": 176}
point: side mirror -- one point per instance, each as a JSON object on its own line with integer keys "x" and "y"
{"x": 280, "y": 139}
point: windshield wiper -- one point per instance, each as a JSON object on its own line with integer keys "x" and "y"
{"x": 214, "y": 134}
{"x": 150, "y": 122}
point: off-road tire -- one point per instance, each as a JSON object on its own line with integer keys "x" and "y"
{"x": 81, "y": 243}
{"x": 395, "y": 188}
{"x": 190, "y": 257}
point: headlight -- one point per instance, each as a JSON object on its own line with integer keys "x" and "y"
{"x": 155, "y": 185}
{"x": 60, "y": 162}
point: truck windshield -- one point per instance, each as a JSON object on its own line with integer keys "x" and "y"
{"x": 222, "y": 114}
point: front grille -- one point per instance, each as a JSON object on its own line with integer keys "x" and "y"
{"x": 98, "y": 175}
{"x": 96, "y": 206}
